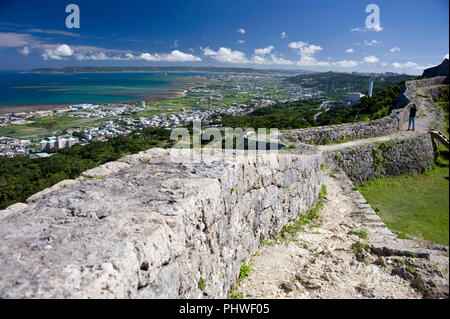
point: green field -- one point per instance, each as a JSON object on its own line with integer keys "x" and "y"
{"x": 48, "y": 125}
{"x": 416, "y": 205}
{"x": 21, "y": 131}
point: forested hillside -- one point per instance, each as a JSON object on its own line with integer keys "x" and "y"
{"x": 300, "y": 114}
{"x": 375, "y": 107}
{"x": 336, "y": 85}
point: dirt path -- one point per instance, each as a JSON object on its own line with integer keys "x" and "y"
{"x": 360, "y": 142}
{"x": 429, "y": 115}
{"x": 321, "y": 262}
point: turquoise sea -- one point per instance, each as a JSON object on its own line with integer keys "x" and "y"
{"x": 18, "y": 88}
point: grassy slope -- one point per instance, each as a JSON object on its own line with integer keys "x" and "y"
{"x": 417, "y": 205}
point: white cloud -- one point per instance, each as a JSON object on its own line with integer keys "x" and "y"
{"x": 241, "y": 41}
{"x": 373, "y": 42}
{"x": 384, "y": 63}
{"x": 399, "y": 65}
{"x": 130, "y": 56}
{"x": 25, "y": 42}
{"x": 81, "y": 52}
{"x": 283, "y": 35}
{"x": 395, "y": 49}
{"x": 346, "y": 63}
{"x": 271, "y": 59}
{"x": 371, "y": 59}
{"x": 349, "y": 50}
{"x": 305, "y": 49}
{"x": 261, "y": 56}
{"x": 99, "y": 54}
{"x": 178, "y": 56}
{"x": 311, "y": 61}
{"x": 174, "y": 56}
{"x": 148, "y": 57}
{"x": 446, "y": 56}
{"x": 307, "y": 52}
{"x": 409, "y": 65}
{"x": 267, "y": 56}
{"x": 57, "y": 32}
{"x": 25, "y": 51}
{"x": 279, "y": 60}
{"x": 59, "y": 53}
{"x": 226, "y": 55}
{"x": 264, "y": 50}
{"x": 14, "y": 40}
{"x": 259, "y": 60}
{"x": 241, "y": 31}
{"x": 95, "y": 57}
{"x": 376, "y": 28}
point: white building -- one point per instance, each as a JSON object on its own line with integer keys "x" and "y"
{"x": 58, "y": 143}
{"x": 354, "y": 97}
{"x": 82, "y": 106}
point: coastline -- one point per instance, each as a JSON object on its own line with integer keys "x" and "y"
{"x": 191, "y": 82}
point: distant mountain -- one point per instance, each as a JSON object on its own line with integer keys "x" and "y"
{"x": 337, "y": 85}
{"x": 439, "y": 70}
{"x": 89, "y": 69}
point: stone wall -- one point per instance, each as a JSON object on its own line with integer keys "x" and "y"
{"x": 330, "y": 134}
{"x": 385, "y": 126}
{"x": 411, "y": 86}
{"x": 146, "y": 227}
{"x": 396, "y": 157}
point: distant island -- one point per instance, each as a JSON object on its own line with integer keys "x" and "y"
{"x": 130, "y": 69}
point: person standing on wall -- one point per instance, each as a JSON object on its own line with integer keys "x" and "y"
{"x": 412, "y": 117}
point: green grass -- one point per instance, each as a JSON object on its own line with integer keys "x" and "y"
{"x": 289, "y": 231}
{"x": 245, "y": 271}
{"x": 361, "y": 234}
{"x": 57, "y": 123}
{"x": 443, "y": 102}
{"x": 202, "y": 284}
{"x": 416, "y": 205}
{"x": 233, "y": 294}
{"x": 359, "y": 247}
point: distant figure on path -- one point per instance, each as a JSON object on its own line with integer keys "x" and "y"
{"x": 412, "y": 117}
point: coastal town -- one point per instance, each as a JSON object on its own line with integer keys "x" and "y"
{"x": 34, "y": 133}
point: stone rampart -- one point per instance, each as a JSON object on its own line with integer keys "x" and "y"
{"x": 146, "y": 227}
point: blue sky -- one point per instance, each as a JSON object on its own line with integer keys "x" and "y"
{"x": 316, "y": 35}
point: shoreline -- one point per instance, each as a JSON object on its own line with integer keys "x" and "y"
{"x": 153, "y": 97}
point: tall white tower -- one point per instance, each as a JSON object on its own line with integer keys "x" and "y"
{"x": 370, "y": 88}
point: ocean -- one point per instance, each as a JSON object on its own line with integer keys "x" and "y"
{"x": 17, "y": 89}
